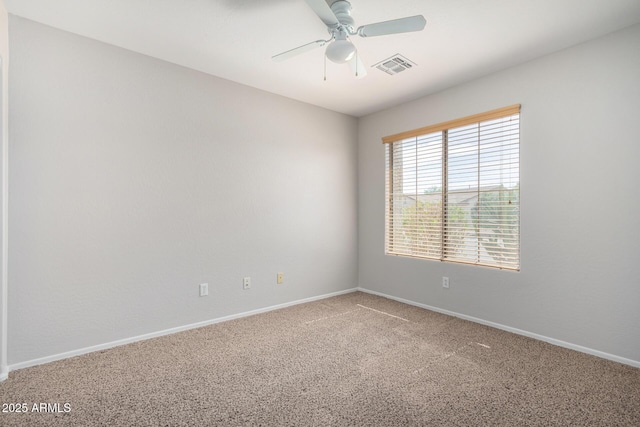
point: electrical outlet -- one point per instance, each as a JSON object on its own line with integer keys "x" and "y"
{"x": 204, "y": 289}
{"x": 280, "y": 278}
{"x": 445, "y": 282}
{"x": 246, "y": 283}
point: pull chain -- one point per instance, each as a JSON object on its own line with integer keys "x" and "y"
{"x": 356, "y": 63}
{"x": 325, "y": 68}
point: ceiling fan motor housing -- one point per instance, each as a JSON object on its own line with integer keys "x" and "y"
{"x": 342, "y": 10}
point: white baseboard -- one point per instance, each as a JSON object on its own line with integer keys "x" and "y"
{"x": 34, "y": 362}
{"x": 4, "y": 373}
{"x": 634, "y": 363}
{"x": 85, "y": 350}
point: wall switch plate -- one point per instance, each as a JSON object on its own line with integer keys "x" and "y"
{"x": 280, "y": 278}
{"x": 246, "y": 283}
{"x": 445, "y": 282}
{"x": 204, "y": 289}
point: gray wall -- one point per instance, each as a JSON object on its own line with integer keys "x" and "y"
{"x": 4, "y": 118}
{"x": 580, "y": 227}
{"x": 133, "y": 180}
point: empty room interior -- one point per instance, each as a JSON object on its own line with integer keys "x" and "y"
{"x": 310, "y": 212}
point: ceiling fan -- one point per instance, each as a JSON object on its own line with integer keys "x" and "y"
{"x": 340, "y": 25}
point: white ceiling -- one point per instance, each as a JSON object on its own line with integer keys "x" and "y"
{"x": 235, "y": 39}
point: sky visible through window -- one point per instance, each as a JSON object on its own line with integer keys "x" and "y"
{"x": 497, "y": 153}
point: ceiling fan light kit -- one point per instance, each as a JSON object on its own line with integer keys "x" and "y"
{"x": 341, "y": 50}
{"x": 341, "y": 25}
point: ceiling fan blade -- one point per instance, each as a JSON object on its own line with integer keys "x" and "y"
{"x": 402, "y": 25}
{"x": 324, "y": 12}
{"x": 298, "y": 50}
{"x": 358, "y": 67}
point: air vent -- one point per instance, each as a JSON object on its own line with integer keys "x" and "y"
{"x": 395, "y": 64}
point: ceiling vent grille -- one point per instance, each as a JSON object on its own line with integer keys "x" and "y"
{"x": 395, "y": 64}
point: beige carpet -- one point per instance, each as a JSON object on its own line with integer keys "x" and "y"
{"x": 352, "y": 360}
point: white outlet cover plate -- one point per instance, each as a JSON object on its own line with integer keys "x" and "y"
{"x": 204, "y": 289}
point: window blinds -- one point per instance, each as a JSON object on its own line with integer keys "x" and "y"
{"x": 453, "y": 191}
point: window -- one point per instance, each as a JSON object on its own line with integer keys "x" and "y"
{"x": 453, "y": 191}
